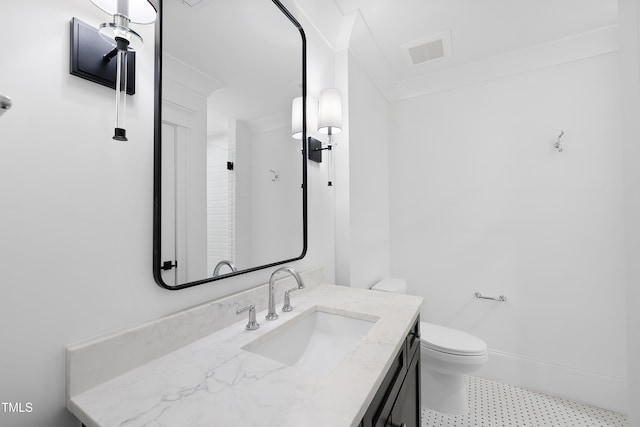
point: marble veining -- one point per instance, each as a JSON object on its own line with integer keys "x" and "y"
{"x": 100, "y": 359}
{"x": 213, "y": 382}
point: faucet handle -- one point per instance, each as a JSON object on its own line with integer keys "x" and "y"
{"x": 287, "y": 300}
{"x": 252, "y": 325}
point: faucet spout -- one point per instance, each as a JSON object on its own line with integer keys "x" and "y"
{"x": 271, "y": 315}
{"x": 216, "y": 270}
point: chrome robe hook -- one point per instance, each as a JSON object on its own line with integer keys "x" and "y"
{"x": 558, "y": 144}
{"x": 5, "y": 104}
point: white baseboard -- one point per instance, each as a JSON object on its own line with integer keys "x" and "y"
{"x": 581, "y": 386}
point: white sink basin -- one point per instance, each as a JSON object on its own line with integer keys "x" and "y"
{"x": 316, "y": 341}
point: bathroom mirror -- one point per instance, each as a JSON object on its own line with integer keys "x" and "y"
{"x": 229, "y": 180}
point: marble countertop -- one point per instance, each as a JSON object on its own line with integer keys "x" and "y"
{"x": 213, "y": 382}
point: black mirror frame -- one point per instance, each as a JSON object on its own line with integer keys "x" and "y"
{"x": 157, "y": 159}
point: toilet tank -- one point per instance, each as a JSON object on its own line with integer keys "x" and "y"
{"x": 391, "y": 284}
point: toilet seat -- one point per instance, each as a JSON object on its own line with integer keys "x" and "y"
{"x": 450, "y": 341}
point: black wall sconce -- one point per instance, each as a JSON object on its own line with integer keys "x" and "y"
{"x": 329, "y": 123}
{"x": 315, "y": 150}
{"x": 106, "y": 55}
{"x": 91, "y": 57}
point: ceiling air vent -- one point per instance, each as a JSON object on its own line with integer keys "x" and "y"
{"x": 428, "y": 48}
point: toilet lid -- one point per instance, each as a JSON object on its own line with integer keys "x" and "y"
{"x": 398, "y": 286}
{"x": 452, "y": 341}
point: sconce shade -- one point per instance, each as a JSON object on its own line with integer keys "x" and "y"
{"x": 296, "y": 118}
{"x": 330, "y": 112}
{"x": 137, "y": 11}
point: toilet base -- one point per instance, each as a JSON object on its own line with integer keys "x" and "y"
{"x": 443, "y": 392}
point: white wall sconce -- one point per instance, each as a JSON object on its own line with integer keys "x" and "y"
{"x": 296, "y": 118}
{"x": 92, "y": 50}
{"x": 329, "y": 123}
{"x": 330, "y": 112}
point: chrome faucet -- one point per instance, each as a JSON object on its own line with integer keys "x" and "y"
{"x": 287, "y": 307}
{"x": 252, "y": 325}
{"x": 271, "y": 315}
{"x": 216, "y": 271}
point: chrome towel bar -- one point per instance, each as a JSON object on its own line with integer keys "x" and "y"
{"x": 501, "y": 298}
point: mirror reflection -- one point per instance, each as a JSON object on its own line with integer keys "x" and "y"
{"x": 231, "y": 193}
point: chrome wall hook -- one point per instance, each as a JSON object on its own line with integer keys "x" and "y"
{"x": 5, "y": 104}
{"x": 558, "y": 145}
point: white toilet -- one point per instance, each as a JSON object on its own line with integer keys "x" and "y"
{"x": 445, "y": 356}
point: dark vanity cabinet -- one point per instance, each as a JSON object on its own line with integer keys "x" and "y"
{"x": 397, "y": 402}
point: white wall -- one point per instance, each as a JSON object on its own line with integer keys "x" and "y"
{"x": 242, "y": 157}
{"x": 321, "y": 199}
{"x": 76, "y": 209}
{"x": 481, "y": 201}
{"x": 362, "y": 167}
{"x": 276, "y": 205}
{"x": 192, "y": 184}
{"x": 368, "y": 179}
{"x": 629, "y": 12}
{"x": 341, "y": 183}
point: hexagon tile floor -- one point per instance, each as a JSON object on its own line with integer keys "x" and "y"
{"x": 494, "y": 404}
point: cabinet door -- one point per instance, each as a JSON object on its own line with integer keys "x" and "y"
{"x": 393, "y": 389}
{"x": 378, "y": 412}
{"x": 413, "y": 339}
{"x": 406, "y": 409}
